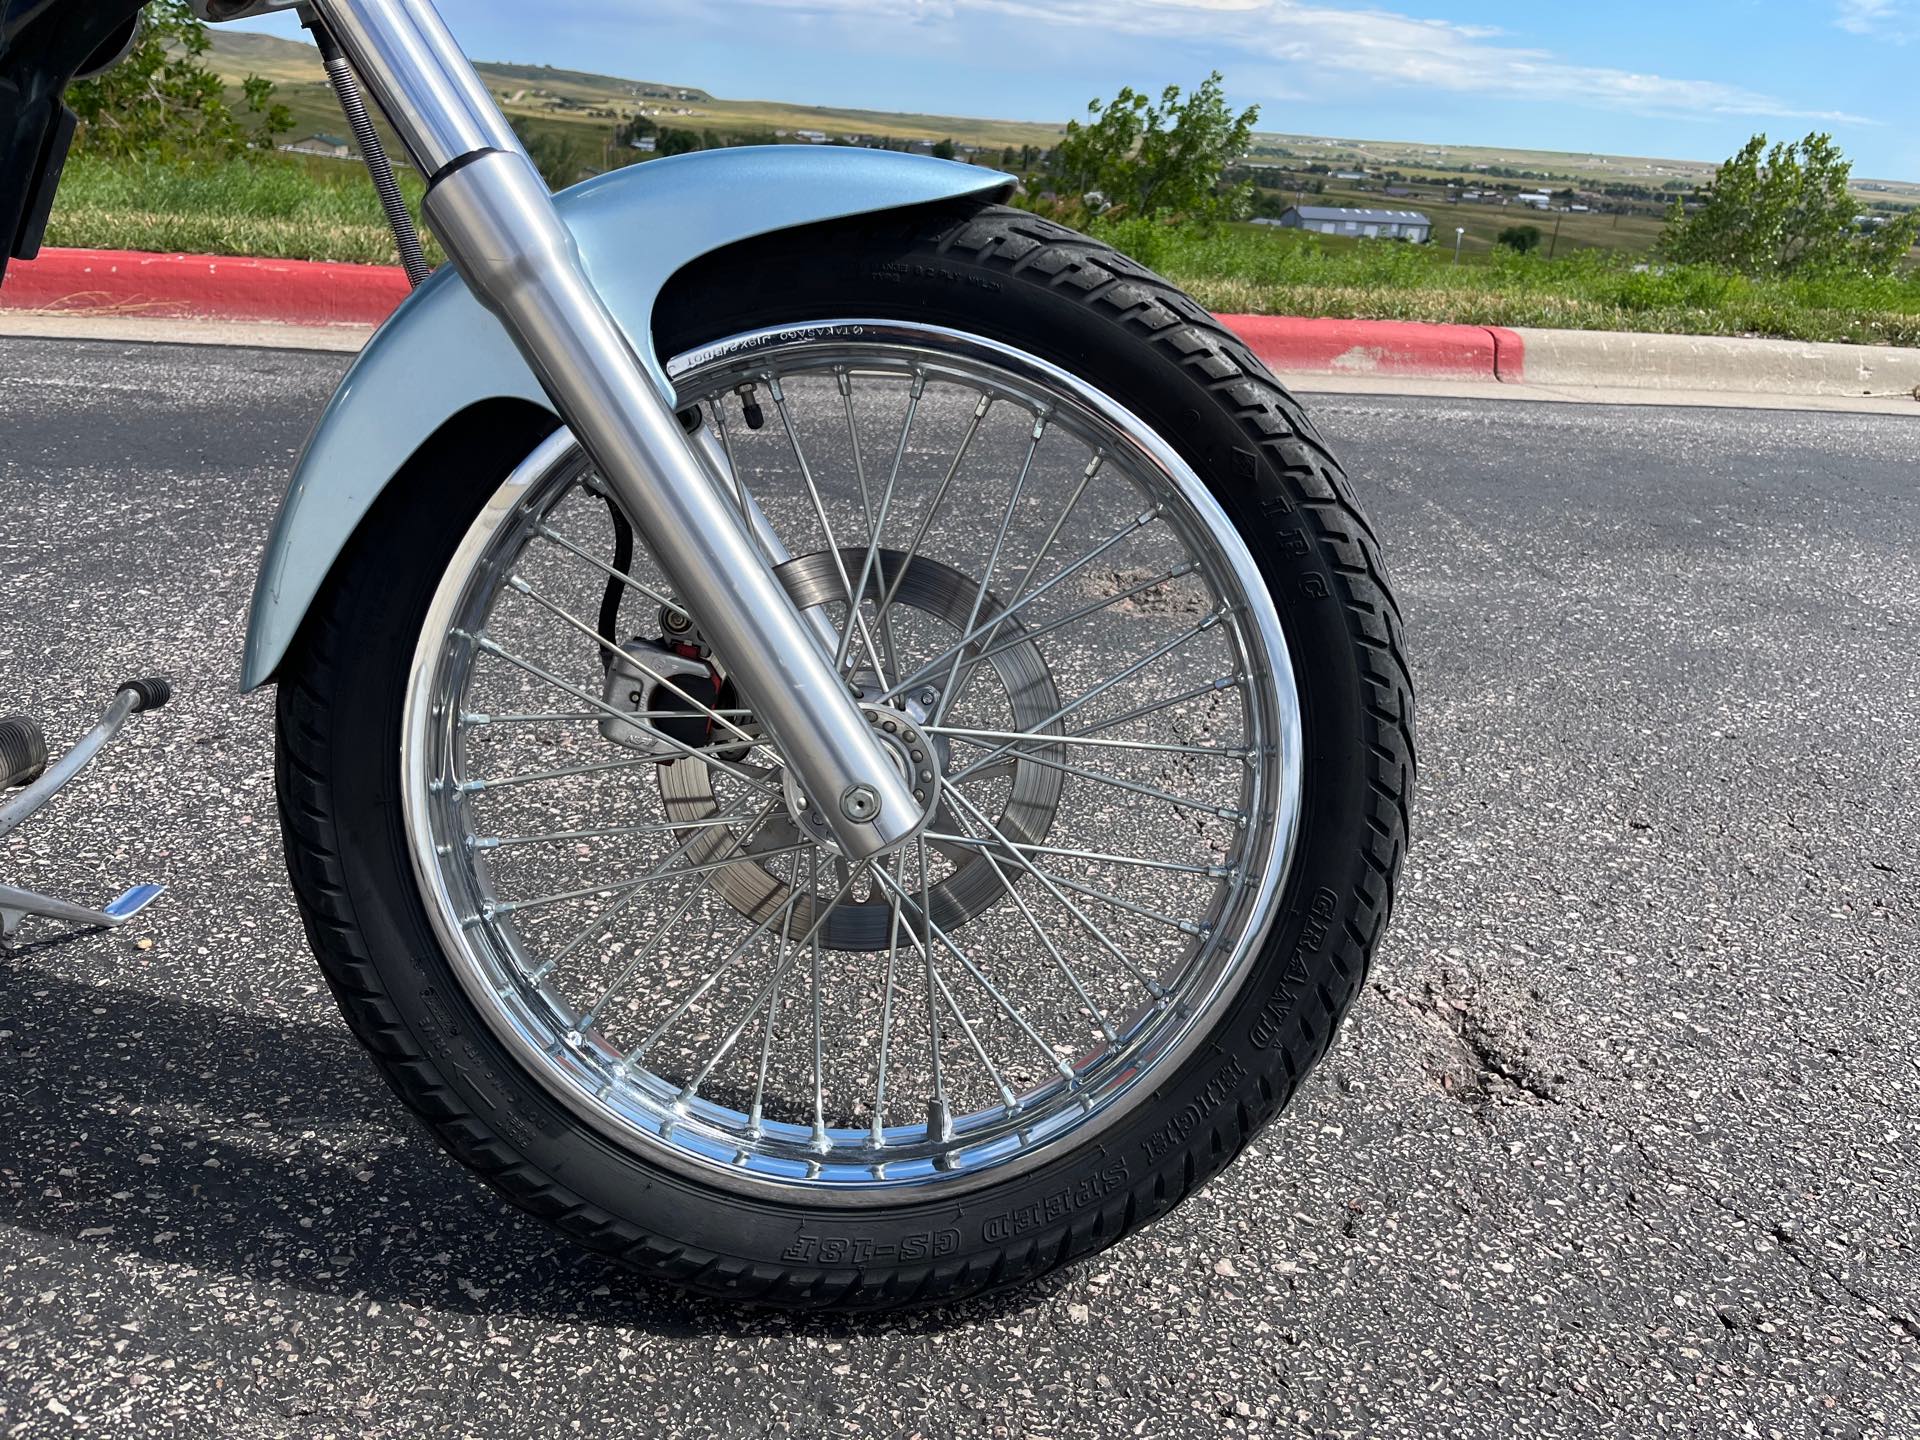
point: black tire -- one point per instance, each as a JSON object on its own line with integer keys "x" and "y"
{"x": 1010, "y": 276}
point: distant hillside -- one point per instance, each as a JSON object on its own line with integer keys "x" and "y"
{"x": 238, "y": 51}
{"x": 545, "y": 76}
{"x": 581, "y": 105}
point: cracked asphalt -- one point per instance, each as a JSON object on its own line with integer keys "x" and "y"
{"x": 1623, "y": 1140}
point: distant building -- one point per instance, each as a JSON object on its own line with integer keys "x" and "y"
{"x": 1363, "y": 224}
{"x": 1539, "y": 200}
{"x": 331, "y": 146}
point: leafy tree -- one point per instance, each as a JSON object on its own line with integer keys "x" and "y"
{"x": 677, "y": 142}
{"x": 1785, "y": 211}
{"x": 1146, "y": 158}
{"x": 943, "y": 150}
{"x": 163, "y": 100}
{"x": 1523, "y": 238}
{"x": 558, "y": 159}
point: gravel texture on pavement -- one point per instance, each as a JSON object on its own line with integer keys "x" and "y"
{"x": 1623, "y": 1140}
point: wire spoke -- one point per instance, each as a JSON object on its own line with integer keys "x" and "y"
{"x": 1151, "y": 792}
{"x": 1153, "y": 987}
{"x": 1029, "y": 635}
{"x": 1087, "y": 697}
{"x": 1211, "y": 872}
{"x": 554, "y": 837}
{"x": 855, "y": 616}
{"x": 516, "y": 583}
{"x": 877, "y": 520}
{"x": 993, "y": 560}
{"x": 666, "y": 927}
{"x": 627, "y": 901}
{"x": 1159, "y": 747}
{"x": 1039, "y": 930}
{"x": 492, "y": 647}
{"x": 933, "y": 506}
{"x": 1007, "y": 1007}
{"x": 547, "y": 532}
{"x": 780, "y": 913}
{"x": 1092, "y": 892}
{"x": 515, "y": 907}
{"x": 927, "y": 670}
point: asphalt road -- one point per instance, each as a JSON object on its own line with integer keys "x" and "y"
{"x": 1624, "y": 1140}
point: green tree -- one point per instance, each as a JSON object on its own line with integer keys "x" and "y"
{"x": 1785, "y": 211}
{"x": 1148, "y": 158}
{"x": 558, "y": 158}
{"x": 163, "y": 100}
{"x": 677, "y": 142}
{"x": 1523, "y": 238}
{"x": 943, "y": 150}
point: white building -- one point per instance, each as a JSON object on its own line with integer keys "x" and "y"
{"x": 331, "y": 146}
{"x": 1361, "y": 224}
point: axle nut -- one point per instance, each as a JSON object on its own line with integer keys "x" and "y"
{"x": 859, "y": 802}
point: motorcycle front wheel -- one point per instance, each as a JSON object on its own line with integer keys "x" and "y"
{"x": 1108, "y": 601}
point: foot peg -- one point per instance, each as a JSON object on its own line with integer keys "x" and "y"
{"x": 23, "y": 762}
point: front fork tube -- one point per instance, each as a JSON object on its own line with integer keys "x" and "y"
{"x": 498, "y": 224}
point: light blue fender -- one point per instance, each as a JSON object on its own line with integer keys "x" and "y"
{"x": 442, "y": 351}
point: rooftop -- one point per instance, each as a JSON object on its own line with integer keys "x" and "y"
{"x": 1363, "y": 217}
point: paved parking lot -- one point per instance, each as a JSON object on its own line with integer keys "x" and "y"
{"x": 1624, "y": 1140}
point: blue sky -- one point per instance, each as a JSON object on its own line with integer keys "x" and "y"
{"x": 1688, "y": 79}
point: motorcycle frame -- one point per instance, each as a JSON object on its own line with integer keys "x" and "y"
{"x": 510, "y": 245}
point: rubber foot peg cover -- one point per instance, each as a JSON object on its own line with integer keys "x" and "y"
{"x": 23, "y": 751}
{"x": 149, "y": 694}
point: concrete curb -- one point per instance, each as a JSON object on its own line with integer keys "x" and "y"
{"x": 122, "y": 284}
{"x": 1718, "y": 364}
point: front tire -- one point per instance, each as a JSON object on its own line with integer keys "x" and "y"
{"x": 1017, "y": 282}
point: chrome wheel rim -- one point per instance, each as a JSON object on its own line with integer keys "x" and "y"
{"x": 1061, "y": 616}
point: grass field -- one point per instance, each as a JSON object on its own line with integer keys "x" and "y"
{"x": 1257, "y": 270}
{"x": 326, "y": 210}
{"x": 279, "y": 207}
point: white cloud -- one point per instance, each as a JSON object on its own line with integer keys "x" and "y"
{"x": 1897, "y": 20}
{"x": 1379, "y": 46}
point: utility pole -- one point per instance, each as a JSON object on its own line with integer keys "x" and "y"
{"x": 1557, "y": 220}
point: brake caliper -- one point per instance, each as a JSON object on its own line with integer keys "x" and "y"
{"x": 670, "y": 690}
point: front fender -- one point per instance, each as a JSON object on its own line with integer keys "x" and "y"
{"x": 442, "y": 351}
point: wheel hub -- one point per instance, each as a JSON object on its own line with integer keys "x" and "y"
{"x": 1033, "y": 791}
{"x": 915, "y": 756}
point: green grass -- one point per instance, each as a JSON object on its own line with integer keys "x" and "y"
{"x": 287, "y": 208}
{"x": 280, "y": 207}
{"x": 1256, "y": 270}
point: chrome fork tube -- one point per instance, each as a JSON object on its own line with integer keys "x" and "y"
{"x": 495, "y": 218}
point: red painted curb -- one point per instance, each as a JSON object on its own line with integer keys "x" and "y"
{"x": 1382, "y": 347}
{"x": 304, "y": 292}
{"x": 203, "y": 287}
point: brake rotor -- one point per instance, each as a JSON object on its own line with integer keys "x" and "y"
{"x": 1033, "y": 796}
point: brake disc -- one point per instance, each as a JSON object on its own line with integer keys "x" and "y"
{"x": 946, "y": 595}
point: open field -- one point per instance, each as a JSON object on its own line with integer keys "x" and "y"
{"x": 1258, "y": 270}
